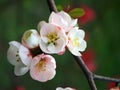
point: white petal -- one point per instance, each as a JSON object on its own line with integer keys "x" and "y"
{"x": 59, "y": 88}
{"x": 25, "y": 55}
{"x": 83, "y": 45}
{"x": 80, "y": 33}
{"x": 58, "y": 47}
{"x": 76, "y": 33}
{"x": 73, "y": 22}
{"x": 20, "y": 69}
{"x": 15, "y": 43}
{"x": 12, "y": 51}
{"x": 75, "y": 52}
{"x": 43, "y": 46}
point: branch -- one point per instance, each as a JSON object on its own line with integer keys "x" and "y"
{"x": 89, "y": 75}
{"x": 98, "y": 77}
{"x": 87, "y": 72}
{"x": 52, "y": 5}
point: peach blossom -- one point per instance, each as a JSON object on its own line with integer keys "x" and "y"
{"x": 63, "y": 20}
{"x": 20, "y": 57}
{"x": 53, "y": 39}
{"x": 43, "y": 68}
{"x": 76, "y": 43}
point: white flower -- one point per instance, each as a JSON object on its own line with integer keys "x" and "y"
{"x": 67, "y": 88}
{"x": 43, "y": 68}
{"x": 63, "y": 20}
{"x": 76, "y": 41}
{"x": 31, "y": 38}
{"x": 53, "y": 39}
{"x": 20, "y": 57}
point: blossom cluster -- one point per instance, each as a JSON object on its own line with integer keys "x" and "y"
{"x": 52, "y": 37}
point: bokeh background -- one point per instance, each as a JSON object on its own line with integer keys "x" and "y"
{"x": 102, "y": 34}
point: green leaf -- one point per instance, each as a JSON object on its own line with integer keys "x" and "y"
{"x": 76, "y": 12}
{"x": 59, "y": 7}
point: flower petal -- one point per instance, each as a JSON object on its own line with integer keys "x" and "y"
{"x": 65, "y": 16}
{"x": 57, "y": 20}
{"x": 12, "y": 51}
{"x": 20, "y": 69}
{"x": 25, "y": 55}
{"x": 43, "y": 46}
{"x": 83, "y": 46}
{"x": 58, "y": 47}
{"x": 75, "y": 52}
{"x": 43, "y": 68}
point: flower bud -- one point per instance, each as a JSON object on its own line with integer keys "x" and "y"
{"x": 31, "y": 38}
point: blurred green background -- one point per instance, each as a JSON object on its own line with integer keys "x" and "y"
{"x": 17, "y": 16}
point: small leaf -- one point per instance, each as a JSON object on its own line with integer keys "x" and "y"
{"x": 59, "y": 7}
{"x": 76, "y": 12}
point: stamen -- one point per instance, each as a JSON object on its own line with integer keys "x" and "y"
{"x": 40, "y": 66}
{"x": 52, "y": 37}
{"x": 76, "y": 42}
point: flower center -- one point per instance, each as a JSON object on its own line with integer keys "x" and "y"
{"x": 40, "y": 66}
{"x": 18, "y": 57}
{"x": 76, "y": 42}
{"x": 52, "y": 37}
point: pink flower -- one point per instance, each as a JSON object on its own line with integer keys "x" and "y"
{"x": 63, "y": 20}
{"x": 31, "y": 38}
{"x": 43, "y": 68}
{"x": 20, "y": 57}
{"x": 67, "y": 88}
{"x": 53, "y": 39}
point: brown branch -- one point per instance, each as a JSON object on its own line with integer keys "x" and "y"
{"x": 89, "y": 75}
{"x": 98, "y": 77}
{"x": 52, "y": 5}
{"x": 87, "y": 72}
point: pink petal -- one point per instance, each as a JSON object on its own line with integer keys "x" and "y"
{"x": 57, "y": 20}
{"x": 65, "y": 16}
{"x": 45, "y": 73}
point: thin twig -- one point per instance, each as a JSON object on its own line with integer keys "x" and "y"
{"x": 52, "y": 5}
{"x": 87, "y": 72}
{"x": 98, "y": 77}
